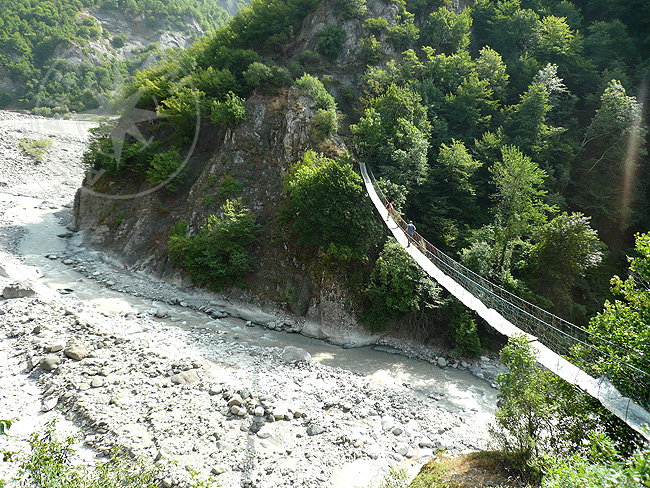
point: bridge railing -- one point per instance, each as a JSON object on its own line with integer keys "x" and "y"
{"x": 559, "y": 335}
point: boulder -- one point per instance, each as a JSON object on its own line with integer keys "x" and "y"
{"x": 50, "y": 362}
{"x": 20, "y": 289}
{"x": 76, "y": 350}
{"x": 292, "y": 353}
{"x": 186, "y": 377}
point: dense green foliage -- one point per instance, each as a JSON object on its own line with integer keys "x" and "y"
{"x": 50, "y": 465}
{"x": 548, "y": 140}
{"x": 48, "y": 51}
{"x": 399, "y": 286}
{"x": 624, "y": 323}
{"x": 555, "y": 435}
{"x": 219, "y": 253}
{"x": 327, "y": 204}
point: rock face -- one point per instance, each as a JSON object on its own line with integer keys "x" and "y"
{"x": 259, "y": 152}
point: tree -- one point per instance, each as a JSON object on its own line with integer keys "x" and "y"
{"x": 219, "y": 254}
{"x": 446, "y": 202}
{"x": 606, "y": 181}
{"x": 330, "y": 42}
{"x": 518, "y": 200}
{"x": 398, "y": 286}
{"x": 563, "y": 250}
{"x": 524, "y": 422}
{"x": 446, "y": 31}
{"x": 556, "y": 39}
{"x": 393, "y": 134}
{"x": 527, "y": 127}
{"x": 624, "y": 323}
{"x": 329, "y": 208}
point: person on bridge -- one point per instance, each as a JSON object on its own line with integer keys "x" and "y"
{"x": 390, "y": 209}
{"x": 410, "y": 230}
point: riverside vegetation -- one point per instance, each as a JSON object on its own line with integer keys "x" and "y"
{"x": 512, "y": 132}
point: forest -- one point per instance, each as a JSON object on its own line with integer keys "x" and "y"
{"x": 511, "y": 132}
{"x": 37, "y": 40}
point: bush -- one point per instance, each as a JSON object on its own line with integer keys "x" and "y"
{"x": 36, "y": 148}
{"x": 347, "y": 94}
{"x": 329, "y": 208}
{"x": 324, "y": 124}
{"x": 315, "y": 89}
{"x": 119, "y": 41}
{"x": 229, "y": 187}
{"x": 330, "y": 41}
{"x": 404, "y": 34}
{"x": 464, "y": 335}
{"x": 376, "y": 25}
{"x": 524, "y": 421}
{"x": 165, "y": 169}
{"x": 371, "y": 49}
{"x": 49, "y": 465}
{"x": 229, "y": 113}
{"x": 182, "y": 110}
{"x": 352, "y": 9}
{"x": 398, "y": 286}
{"x": 218, "y": 255}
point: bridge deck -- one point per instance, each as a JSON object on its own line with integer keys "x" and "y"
{"x": 601, "y": 389}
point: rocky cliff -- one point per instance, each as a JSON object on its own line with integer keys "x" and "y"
{"x": 258, "y": 153}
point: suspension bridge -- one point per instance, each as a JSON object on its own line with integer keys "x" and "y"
{"x": 550, "y": 336}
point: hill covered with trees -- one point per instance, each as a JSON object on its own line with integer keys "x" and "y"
{"x": 59, "y": 56}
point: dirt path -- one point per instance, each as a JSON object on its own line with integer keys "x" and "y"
{"x": 172, "y": 373}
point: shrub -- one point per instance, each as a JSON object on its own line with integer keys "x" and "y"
{"x": 330, "y": 41}
{"x": 329, "y": 208}
{"x": 524, "y": 421}
{"x": 36, "y": 148}
{"x": 371, "y": 49}
{"x": 165, "y": 169}
{"x": 182, "y": 110}
{"x": 324, "y": 123}
{"x": 464, "y": 335}
{"x": 404, "y": 34}
{"x": 229, "y": 187}
{"x": 119, "y": 41}
{"x": 218, "y": 255}
{"x": 215, "y": 83}
{"x": 257, "y": 74}
{"x": 49, "y": 465}
{"x": 352, "y": 9}
{"x": 376, "y": 25}
{"x": 398, "y": 286}
{"x": 229, "y": 113}
{"x": 314, "y": 88}
{"x": 347, "y": 94}
{"x": 308, "y": 57}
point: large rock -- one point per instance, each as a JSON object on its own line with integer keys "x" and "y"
{"x": 76, "y": 350}
{"x": 186, "y": 377}
{"x": 50, "y": 362}
{"x": 292, "y": 353}
{"x": 20, "y": 289}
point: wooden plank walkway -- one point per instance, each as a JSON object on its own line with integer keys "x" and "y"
{"x": 602, "y": 389}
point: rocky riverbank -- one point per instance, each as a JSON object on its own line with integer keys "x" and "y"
{"x": 201, "y": 391}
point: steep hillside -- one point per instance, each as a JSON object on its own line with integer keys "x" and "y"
{"x": 64, "y": 56}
